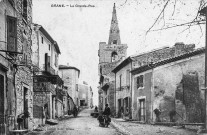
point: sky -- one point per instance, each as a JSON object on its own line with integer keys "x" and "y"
{"x": 78, "y": 30}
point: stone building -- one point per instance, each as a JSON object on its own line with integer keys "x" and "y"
{"x": 172, "y": 86}
{"x": 48, "y": 94}
{"x": 90, "y": 97}
{"x": 110, "y": 55}
{"x": 70, "y": 76}
{"x": 126, "y": 95}
{"x": 83, "y": 95}
{"x": 123, "y": 81}
{"x": 15, "y": 65}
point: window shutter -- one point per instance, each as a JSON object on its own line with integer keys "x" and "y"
{"x": 127, "y": 77}
{"x": 138, "y": 78}
{"x": 46, "y": 61}
{"x": 11, "y": 34}
{"x": 135, "y": 83}
{"x": 141, "y": 81}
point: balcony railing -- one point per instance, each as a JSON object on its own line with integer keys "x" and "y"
{"x": 49, "y": 70}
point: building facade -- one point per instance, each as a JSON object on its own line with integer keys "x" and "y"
{"x": 125, "y": 89}
{"x": 110, "y": 55}
{"x": 83, "y": 95}
{"x": 70, "y": 77}
{"x": 48, "y": 95}
{"x": 90, "y": 97}
{"x": 16, "y": 69}
{"x": 172, "y": 86}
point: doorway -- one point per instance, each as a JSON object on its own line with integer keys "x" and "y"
{"x": 141, "y": 110}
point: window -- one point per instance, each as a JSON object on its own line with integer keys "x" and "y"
{"x": 120, "y": 78}
{"x": 56, "y": 60}
{"x": 25, "y": 9}
{"x": 115, "y": 42}
{"x": 114, "y": 56}
{"x": 49, "y": 46}
{"x": 76, "y": 87}
{"x": 11, "y": 34}
{"x": 140, "y": 81}
{"x": 42, "y": 40}
{"x": 127, "y": 77}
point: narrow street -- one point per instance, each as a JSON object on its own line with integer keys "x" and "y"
{"x": 84, "y": 124}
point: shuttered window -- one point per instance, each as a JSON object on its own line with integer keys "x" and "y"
{"x": 128, "y": 77}
{"x": 139, "y": 81}
{"x": 47, "y": 62}
{"x": 120, "y": 81}
{"x": 11, "y": 34}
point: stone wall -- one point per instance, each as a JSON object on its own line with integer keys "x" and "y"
{"x": 106, "y": 50}
{"x": 177, "y": 87}
{"x": 21, "y": 79}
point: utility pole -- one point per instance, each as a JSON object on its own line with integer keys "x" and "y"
{"x": 203, "y": 12}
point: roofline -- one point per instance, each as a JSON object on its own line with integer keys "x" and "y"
{"x": 130, "y": 58}
{"x": 151, "y": 51}
{"x": 166, "y": 61}
{"x": 122, "y": 64}
{"x": 69, "y": 67}
{"x": 47, "y": 35}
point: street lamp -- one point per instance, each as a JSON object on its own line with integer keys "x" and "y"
{"x": 203, "y": 12}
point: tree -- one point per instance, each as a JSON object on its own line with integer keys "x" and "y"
{"x": 171, "y": 12}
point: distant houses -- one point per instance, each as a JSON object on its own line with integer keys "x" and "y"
{"x": 32, "y": 89}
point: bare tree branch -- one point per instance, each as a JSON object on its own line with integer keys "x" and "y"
{"x": 183, "y": 24}
{"x": 174, "y": 7}
{"x": 158, "y": 17}
{"x": 124, "y": 3}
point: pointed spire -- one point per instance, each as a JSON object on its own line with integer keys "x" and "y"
{"x": 114, "y": 33}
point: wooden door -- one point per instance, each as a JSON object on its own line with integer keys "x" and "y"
{"x": 142, "y": 110}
